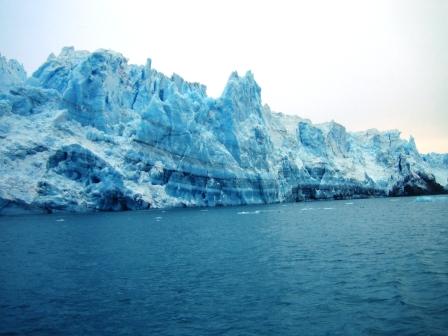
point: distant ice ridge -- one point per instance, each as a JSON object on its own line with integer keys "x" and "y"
{"x": 88, "y": 131}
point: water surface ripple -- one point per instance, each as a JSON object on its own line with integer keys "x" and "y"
{"x": 376, "y": 267}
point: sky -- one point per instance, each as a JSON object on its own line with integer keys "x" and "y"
{"x": 362, "y": 63}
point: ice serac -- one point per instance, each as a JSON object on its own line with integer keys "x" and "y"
{"x": 88, "y": 131}
{"x": 11, "y": 73}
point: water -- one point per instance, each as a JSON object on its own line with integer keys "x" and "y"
{"x": 377, "y": 267}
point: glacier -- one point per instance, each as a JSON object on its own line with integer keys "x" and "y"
{"x": 88, "y": 131}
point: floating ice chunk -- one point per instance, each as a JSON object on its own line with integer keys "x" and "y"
{"x": 431, "y": 199}
{"x": 348, "y": 203}
{"x": 424, "y": 199}
{"x": 256, "y": 212}
{"x": 60, "y": 220}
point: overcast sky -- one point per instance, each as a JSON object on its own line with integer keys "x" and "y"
{"x": 365, "y": 64}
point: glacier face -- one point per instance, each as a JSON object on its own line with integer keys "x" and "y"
{"x": 88, "y": 131}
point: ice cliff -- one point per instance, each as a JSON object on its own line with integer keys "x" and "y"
{"x": 88, "y": 131}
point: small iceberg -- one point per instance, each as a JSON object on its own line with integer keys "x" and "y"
{"x": 256, "y": 212}
{"x": 424, "y": 199}
{"x": 431, "y": 199}
{"x": 60, "y": 220}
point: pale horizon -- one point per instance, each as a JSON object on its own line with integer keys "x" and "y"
{"x": 363, "y": 64}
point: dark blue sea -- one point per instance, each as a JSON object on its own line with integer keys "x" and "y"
{"x": 360, "y": 267}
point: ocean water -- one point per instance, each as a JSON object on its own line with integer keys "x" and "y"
{"x": 360, "y": 267}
